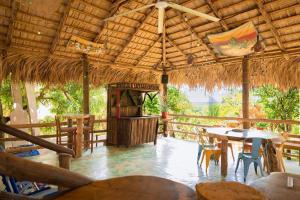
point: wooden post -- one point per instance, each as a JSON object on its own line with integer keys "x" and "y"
{"x": 224, "y": 162}
{"x": 165, "y": 102}
{"x": 85, "y": 85}
{"x": 86, "y": 94}
{"x": 64, "y": 160}
{"x": 246, "y": 125}
{"x": 2, "y": 143}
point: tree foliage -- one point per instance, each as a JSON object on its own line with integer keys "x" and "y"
{"x": 178, "y": 103}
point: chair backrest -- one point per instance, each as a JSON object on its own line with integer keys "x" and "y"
{"x": 256, "y": 143}
{"x": 203, "y": 139}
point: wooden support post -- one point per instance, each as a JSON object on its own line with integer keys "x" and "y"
{"x": 85, "y": 85}
{"x": 86, "y": 94}
{"x": 2, "y": 143}
{"x": 246, "y": 125}
{"x": 224, "y": 163}
{"x": 165, "y": 102}
{"x": 64, "y": 160}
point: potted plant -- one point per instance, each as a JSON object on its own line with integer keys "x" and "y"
{"x": 261, "y": 125}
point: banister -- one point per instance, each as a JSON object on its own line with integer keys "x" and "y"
{"x": 35, "y": 140}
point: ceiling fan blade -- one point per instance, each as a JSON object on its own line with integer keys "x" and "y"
{"x": 194, "y": 12}
{"x": 161, "y": 16}
{"x": 128, "y": 12}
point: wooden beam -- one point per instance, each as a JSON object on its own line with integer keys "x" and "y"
{"x": 14, "y": 10}
{"x": 245, "y": 85}
{"x": 85, "y": 85}
{"x": 174, "y": 45}
{"x": 164, "y": 52}
{"x": 200, "y": 40}
{"x": 216, "y": 13}
{"x": 147, "y": 51}
{"x": 60, "y": 26}
{"x": 148, "y": 15}
{"x": 115, "y": 8}
{"x": 268, "y": 21}
{"x": 22, "y": 170}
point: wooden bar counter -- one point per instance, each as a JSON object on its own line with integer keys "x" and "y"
{"x": 126, "y": 122}
{"x": 136, "y": 130}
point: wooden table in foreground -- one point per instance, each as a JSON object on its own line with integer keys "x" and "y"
{"x": 274, "y": 186}
{"x": 226, "y": 134}
{"x": 79, "y": 136}
{"x": 132, "y": 188}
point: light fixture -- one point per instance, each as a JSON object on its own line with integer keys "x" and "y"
{"x": 39, "y": 33}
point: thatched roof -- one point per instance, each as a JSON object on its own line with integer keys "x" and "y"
{"x": 34, "y": 35}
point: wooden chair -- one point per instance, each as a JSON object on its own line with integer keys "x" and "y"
{"x": 88, "y": 131}
{"x": 207, "y": 148}
{"x": 60, "y": 130}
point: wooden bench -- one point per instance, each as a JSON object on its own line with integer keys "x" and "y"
{"x": 293, "y": 143}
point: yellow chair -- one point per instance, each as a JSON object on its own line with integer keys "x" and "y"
{"x": 207, "y": 149}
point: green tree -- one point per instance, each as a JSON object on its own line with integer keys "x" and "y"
{"x": 279, "y": 104}
{"x": 213, "y": 110}
{"x": 178, "y": 103}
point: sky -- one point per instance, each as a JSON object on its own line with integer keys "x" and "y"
{"x": 199, "y": 95}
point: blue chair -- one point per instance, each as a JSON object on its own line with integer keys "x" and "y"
{"x": 253, "y": 157}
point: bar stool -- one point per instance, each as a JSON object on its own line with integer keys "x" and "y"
{"x": 60, "y": 130}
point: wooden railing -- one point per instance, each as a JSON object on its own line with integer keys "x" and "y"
{"x": 173, "y": 120}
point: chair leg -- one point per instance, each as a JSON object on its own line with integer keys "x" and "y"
{"x": 96, "y": 140}
{"x": 260, "y": 167}
{"x": 207, "y": 159}
{"x": 203, "y": 155}
{"x": 199, "y": 153}
{"x": 92, "y": 142}
{"x": 255, "y": 167}
{"x": 231, "y": 149}
{"x": 237, "y": 165}
{"x": 246, "y": 168}
{"x": 217, "y": 157}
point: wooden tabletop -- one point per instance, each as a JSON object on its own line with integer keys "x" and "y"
{"x": 274, "y": 186}
{"x": 132, "y": 188}
{"x": 238, "y": 135}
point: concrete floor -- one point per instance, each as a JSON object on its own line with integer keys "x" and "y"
{"x": 171, "y": 158}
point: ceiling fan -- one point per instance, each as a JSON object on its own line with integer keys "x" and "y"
{"x": 161, "y": 6}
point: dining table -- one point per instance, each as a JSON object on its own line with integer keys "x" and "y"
{"x": 79, "y": 130}
{"x": 224, "y": 134}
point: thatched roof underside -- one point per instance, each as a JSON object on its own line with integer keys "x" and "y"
{"x": 34, "y": 34}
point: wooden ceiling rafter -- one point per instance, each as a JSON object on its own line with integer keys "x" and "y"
{"x": 14, "y": 11}
{"x": 115, "y": 7}
{"x": 172, "y": 43}
{"x": 61, "y": 26}
{"x": 216, "y": 13}
{"x": 148, "y": 14}
{"x": 200, "y": 40}
{"x": 267, "y": 19}
{"x": 148, "y": 51}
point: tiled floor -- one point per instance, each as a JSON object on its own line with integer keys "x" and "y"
{"x": 171, "y": 158}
